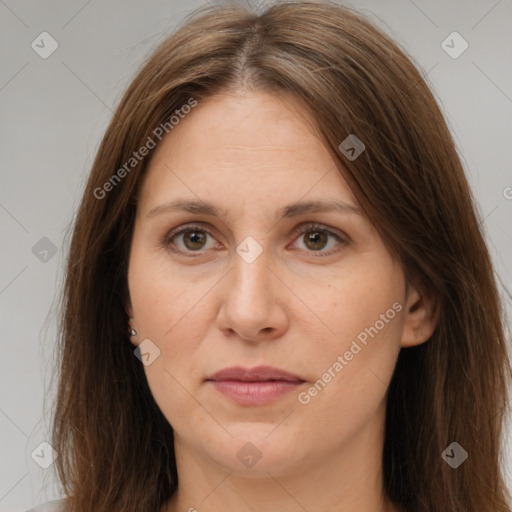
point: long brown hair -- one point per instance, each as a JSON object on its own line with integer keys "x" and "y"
{"x": 115, "y": 447}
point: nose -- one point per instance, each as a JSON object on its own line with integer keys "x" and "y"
{"x": 253, "y": 299}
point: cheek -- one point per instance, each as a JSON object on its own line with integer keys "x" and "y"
{"x": 170, "y": 307}
{"x": 162, "y": 297}
{"x": 356, "y": 297}
{"x": 353, "y": 368}
{"x": 351, "y": 379}
{"x": 175, "y": 319}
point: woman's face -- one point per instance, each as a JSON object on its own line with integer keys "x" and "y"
{"x": 262, "y": 281}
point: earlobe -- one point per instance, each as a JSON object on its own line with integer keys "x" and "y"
{"x": 421, "y": 317}
{"x": 132, "y": 332}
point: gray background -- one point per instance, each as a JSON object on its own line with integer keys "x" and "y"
{"x": 54, "y": 112}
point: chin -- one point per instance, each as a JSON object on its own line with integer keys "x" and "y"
{"x": 255, "y": 450}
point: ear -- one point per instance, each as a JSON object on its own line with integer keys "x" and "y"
{"x": 421, "y": 317}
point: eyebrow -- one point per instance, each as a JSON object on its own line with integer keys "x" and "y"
{"x": 289, "y": 211}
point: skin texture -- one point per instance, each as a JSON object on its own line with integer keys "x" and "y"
{"x": 251, "y": 154}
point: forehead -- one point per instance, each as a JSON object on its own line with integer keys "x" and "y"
{"x": 252, "y": 148}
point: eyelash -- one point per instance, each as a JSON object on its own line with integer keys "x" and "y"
{"x": 300, "y": 230}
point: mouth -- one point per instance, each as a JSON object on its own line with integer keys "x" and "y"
{"x": 255, "y": 386}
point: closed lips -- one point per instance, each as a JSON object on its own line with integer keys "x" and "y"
{"x": 257, "y": 374}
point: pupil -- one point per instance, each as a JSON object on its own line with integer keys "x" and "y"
{"x": 317, "y": 238}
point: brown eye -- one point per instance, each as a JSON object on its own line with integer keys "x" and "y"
{"x": 194, "y": 240}
{"x": 189, "y": 240}
{"x": 315, "y": 240}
